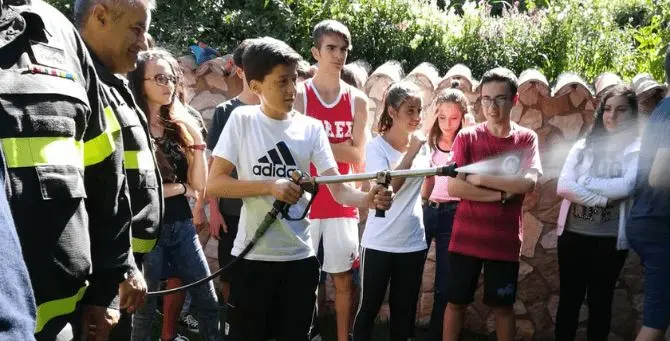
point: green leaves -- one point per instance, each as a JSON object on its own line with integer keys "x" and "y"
{"x": 588, "y": 37}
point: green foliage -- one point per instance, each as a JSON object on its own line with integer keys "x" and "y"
{"x": 587, "y": 37}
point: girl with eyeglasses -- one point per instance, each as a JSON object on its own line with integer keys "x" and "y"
{"x": 180, "y": 154}
{"x": 597, "y": 182}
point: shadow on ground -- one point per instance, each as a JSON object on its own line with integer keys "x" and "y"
{"x": 328, "y": 333}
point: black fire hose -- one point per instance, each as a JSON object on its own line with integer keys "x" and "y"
{"x": 277, "y": 208}
{"x": 310, "y": 184}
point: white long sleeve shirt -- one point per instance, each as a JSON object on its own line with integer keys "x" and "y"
{"x": 575, "y": 185}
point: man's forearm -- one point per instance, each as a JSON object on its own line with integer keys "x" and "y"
{"x": 509, "y": 184}
{"x": 346, "y": 152}
{"x": 225, "y": 186}
{"x": 461, "y": 189}
{"x": 348, "y": 196}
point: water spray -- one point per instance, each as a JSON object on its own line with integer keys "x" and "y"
{"x": 506, "y": 164}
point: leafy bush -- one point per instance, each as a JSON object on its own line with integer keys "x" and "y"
{"x": 587, "y": 37}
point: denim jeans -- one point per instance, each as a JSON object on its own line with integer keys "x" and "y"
{"x": 178, "y": 247}
{"x": 438, "y": 224}
{"x": 655, "y": 257}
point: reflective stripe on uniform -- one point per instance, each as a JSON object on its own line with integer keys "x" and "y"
{"x": 143, "y": 245}
{"x": 52, "y": 309}
{"x": 138, "y": 159}
{"x": 61, "y": 151}
{"x": 100, "y": 147}
{"x": 40, "y": 151}
{"x": 112, "y": 123}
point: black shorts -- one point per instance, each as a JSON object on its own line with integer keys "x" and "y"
{"x": 226, "y": 244}
{"x": 272, "y": 299}
{"x": 500, "y": 280}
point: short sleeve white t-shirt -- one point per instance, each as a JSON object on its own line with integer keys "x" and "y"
{"x": 402, "y": 229}
{"x": 262, "y": 148}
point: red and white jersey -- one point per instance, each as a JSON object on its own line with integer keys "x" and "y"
{"x": 338, "y": 121}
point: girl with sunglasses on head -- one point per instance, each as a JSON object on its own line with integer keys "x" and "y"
{"x": 181, "y": 160}
{"x": 597, "y": 182}
{"x": 394, "y": 247}
{"x": 451, "y": 107}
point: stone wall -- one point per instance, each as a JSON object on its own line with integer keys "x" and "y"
{"x": 559, "y": 117}
{"x": 209, "y": 84}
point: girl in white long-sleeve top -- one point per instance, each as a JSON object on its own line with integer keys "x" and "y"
{"x": 597, "y": 183}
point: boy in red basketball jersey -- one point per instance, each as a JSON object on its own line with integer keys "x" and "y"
{"x": 343, "y": 110}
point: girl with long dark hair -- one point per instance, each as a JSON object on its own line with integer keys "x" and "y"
{"x": 597, "y": 182}
{"x": 181, "y": 160}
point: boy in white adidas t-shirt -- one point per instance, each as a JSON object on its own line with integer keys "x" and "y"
{"x": 265, "y": 144}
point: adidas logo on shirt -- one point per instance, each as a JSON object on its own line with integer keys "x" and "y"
{"x": 279, "y": 164}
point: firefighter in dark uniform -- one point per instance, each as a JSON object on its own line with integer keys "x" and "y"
{"x": 110, "y": 29}
{"x": 142, "y": 175}
{"x": 144, "y": 181}
{"x": 66, "y": 183}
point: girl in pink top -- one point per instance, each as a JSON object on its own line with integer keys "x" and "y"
{"x": 451, "y": 114}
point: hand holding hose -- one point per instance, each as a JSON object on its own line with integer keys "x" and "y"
{"x": 286, "y": 191}
{"x": 379, "y": 198}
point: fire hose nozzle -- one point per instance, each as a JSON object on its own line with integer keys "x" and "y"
{"x": 448, "y": 170}
{"x": 305, "y": 181}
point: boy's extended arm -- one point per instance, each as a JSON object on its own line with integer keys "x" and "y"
{"x": 221, "y": 185}
{"x": 378, "y": 197}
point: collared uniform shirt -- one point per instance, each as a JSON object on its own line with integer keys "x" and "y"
{"x": 65, "y": 180}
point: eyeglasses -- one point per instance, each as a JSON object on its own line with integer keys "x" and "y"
{"x": 163, "y": 79}
{"x": 499, "y": 101}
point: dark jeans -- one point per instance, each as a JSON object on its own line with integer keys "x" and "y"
{"x": 403, "y": 272}
{"x": 655, "y": 257}
{"x": 179, "y": 253}
{"x": 588, "y": 266}
{"x": 438, "y": 223}
{"x": 286, "y": 288}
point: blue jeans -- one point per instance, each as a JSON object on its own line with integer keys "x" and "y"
{"x": 438, "y": 223}
{"x": 655, "y": 256}
{"x": 179, "y": 247}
